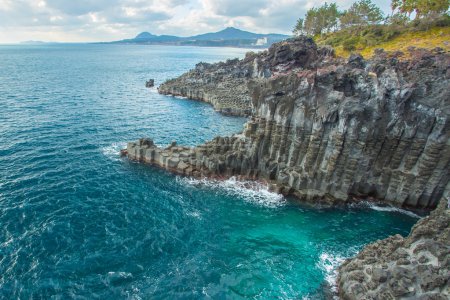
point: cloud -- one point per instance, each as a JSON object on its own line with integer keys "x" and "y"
{"x": 106, "y": 20}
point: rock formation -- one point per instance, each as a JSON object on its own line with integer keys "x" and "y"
{"x": 416, "y": 267}
{"x": 224, "y": 85}
{"x": 324, "y": 128}
{"x": 150, "y": 83}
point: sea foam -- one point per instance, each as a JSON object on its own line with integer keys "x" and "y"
{"x": 112, "y": 151}
{"x": 253, "y": 192}
{"x": 386, "y": 208}
{"x": 329, "y": 263}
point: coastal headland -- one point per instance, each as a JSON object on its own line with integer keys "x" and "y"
{"x": 328, "y": 129}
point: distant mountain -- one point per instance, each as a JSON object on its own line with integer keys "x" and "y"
{"x": 145, "y": 36}
{"x": 229, "y": 37}
{"x": 231, "y": 33}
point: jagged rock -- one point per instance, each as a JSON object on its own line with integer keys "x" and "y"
{"x": 356, "y": 61}
{"x": 419, "y": 278}
{"x": 150, "y": 83}
{"x": 224, "y": 84}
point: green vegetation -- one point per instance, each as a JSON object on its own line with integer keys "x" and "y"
{"x": 363, "y": 27}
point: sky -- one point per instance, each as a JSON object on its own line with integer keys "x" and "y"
{"x": 109, "y": 20}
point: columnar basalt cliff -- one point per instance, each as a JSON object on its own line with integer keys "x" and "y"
{"x": 327, "y": 129}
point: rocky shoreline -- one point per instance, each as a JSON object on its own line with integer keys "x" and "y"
{"x": 415, "y": 267}
{"x": 224, "y": 85}
{"x": 328, "y": 130}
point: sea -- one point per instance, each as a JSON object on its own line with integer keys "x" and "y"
{"x": 77, "y": 221}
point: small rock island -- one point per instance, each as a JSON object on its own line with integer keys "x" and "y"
{"x": 332, "y": 130}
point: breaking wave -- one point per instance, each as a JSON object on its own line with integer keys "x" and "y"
{"x": 374, "y": 206}
{"x": 253, "y": 192}
{"x": 329, "y": 263}
{"x": 113, "y": 151}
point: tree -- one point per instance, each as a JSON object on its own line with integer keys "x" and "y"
{"x": 404, "y": 6}
{"x": 361, "y": 13}
{"x": 422, "y": 8}
{"x": 298, "y": 29}
{"x": 318, "y": 20}
{"x": 428, "y": 7}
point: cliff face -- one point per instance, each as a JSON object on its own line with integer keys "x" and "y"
{"x": 225, "y": 84}
{"x": 323, "y": 128}
{"x": 416, "y": 267}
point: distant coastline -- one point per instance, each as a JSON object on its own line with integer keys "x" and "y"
{"x": 229, "y": 37}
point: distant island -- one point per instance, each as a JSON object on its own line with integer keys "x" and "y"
{"x": 229, "y": 37}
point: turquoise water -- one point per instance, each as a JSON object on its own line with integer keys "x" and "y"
{"x": 77, "y": 221}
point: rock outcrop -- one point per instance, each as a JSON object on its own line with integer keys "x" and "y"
{"x": 416, "y": 267}
{"x": 150, "y": 83}
{"x": 324, "y": 128}
{"x": 224, "y": 84}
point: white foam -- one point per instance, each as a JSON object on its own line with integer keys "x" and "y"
{"x": 253, "y": 192}
{"x": 329, "y": 263}
{"x": 113, "y": 151}
{"x": 386, "y": 208}
{"x": 180, "y": 97}
{"x": 194, "y": 214}
{"x": 394, "y": 209}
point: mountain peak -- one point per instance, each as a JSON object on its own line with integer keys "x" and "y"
{"x": 144, "y": 35}
{"x": 231, "y": 28}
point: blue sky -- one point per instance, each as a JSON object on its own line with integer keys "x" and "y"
{"x": 106, "y": 20}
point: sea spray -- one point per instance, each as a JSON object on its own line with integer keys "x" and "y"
{"x": 251, "y": 191}
{"x": 384, "y": 208}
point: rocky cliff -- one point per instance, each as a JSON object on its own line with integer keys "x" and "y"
{"x": 416, "y": 267}
{"x": 324, "y": 129}
{"x": 225, "y": 84}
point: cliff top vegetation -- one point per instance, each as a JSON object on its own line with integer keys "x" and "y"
{"x": 363, "y": 27}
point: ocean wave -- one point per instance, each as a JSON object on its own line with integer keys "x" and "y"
{"x": 329, "y": 263}
{"x": 253, "y": 192}
{"x": 113, "y": 151}
{"x": 376, "y": 207}
{"x": 395, "y": 209}
{"x": 194, "y": 214}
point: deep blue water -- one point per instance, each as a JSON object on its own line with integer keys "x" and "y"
{"x": 77, "y": 221}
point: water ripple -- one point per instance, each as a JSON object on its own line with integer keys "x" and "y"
{"x": 80, "y": 222}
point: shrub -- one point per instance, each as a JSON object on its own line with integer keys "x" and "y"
{"x": 350, "y": 44}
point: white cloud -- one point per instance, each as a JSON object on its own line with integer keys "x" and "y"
{"x": 105, "y": 20}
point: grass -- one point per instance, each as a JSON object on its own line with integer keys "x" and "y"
{"x": 389, "y": 37}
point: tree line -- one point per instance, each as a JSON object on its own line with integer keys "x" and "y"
{"x": 328, "y": 18}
